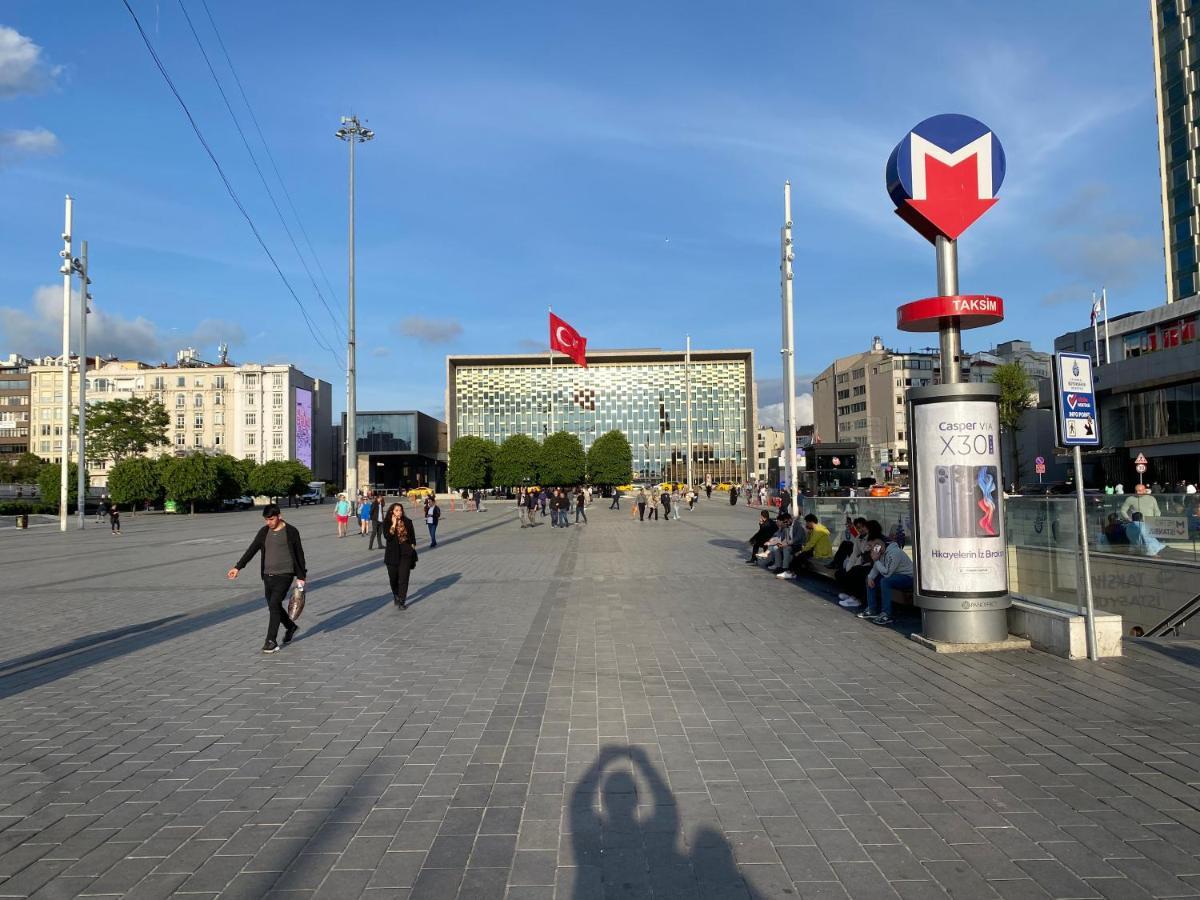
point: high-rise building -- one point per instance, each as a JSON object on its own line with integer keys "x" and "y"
{"x": 638, "y": 392}
{"x": 1177, "y": 89}
{"x": 251, "y": 411}
{"x": 14, "y": 406}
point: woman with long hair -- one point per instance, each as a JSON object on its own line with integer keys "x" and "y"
{"x": 400, "y": 552}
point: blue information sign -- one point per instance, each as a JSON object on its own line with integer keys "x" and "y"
{"x": 1075, "y": 401}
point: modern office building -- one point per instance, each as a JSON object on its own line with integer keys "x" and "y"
{"x": 639, "y": 392}
{"x": 252, "y": 411}
{"x": 1149, "y": 395}
{"x": 398, "y": 450}
{"x": 1177, "y": 89}
{"x": 14, "y": 406}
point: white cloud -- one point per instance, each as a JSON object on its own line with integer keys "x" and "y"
{"x": 23, "y": 68}
{"x": 381, "y": 352}
{"x": 20, "y": 142}
{"x": 434, "y": 331}
{"x": 37, "y": 331}
{"x": 772, "y": 413}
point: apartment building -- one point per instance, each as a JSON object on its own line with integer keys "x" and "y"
{"x": 252, "y": 411}
{"x": 14, "y": 406}
{"x": 769, "y": 443}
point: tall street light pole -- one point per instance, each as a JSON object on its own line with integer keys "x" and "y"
{"x": 81, "y": 266}
{"x": 788, "y": 352}
{"x": 65, "y": 446}
{"x": 353, "y": 133}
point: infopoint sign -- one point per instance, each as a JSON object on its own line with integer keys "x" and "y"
{"x": 1076, "y": 401}
{"x": 960, "y": 522}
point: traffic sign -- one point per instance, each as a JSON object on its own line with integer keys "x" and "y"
{"x": 1039, "y": 468}
{"x": 1140, "y": 468}
{"x": 944, "y": 174}
{"x": 1075, "y": 401}
{"x": 1141, "y": 459}
{"x": 1039, "y": 460}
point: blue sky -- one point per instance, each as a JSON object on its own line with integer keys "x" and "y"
{"x": 623, "y": 162}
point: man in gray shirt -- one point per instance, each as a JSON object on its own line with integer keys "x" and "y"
{"x": 282, "y": 561}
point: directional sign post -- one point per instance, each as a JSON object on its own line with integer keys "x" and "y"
{"x": 1078, "y": 426}
{"x": 942, "y": 176}
{"x": 1139, "y": 466}
{"x": 1039, "y": 466}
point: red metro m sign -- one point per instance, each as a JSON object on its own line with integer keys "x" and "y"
{"x": 944, "y": 174}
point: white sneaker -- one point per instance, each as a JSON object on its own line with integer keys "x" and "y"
{"x": 849, "y": 603}
{"x": 762, "y": 555}
{"x": 843, "y": 597}
{"x": 787, "y": 576}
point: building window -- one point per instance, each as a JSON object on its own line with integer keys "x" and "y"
{"x": 277, "y": 380}
{"x": 180, "y": 400}
{"x": 160, "y": 383}
{"x": 277, "y": 440}
{"x": 251, "y": 419}
{"x": 181, "y": 440}
{"x": 179, "y": 422}
{"x": 181, "y": 381}
{"x": 218, "y": 439}
{"x": 278, "y": 420}
{"x": 277, "y": 401}
{"x": 199, "y": 421}
{"x": 199, "y": 400}
{"x": 218, "y": 418}
{"x": 219, "y": 382}
{"x": 251, "y": 439}
{"x": 250, "y": 379}
{"x": 250, "y": 400}
{"x": 218, "y": 399}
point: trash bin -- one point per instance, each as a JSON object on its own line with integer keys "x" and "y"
{"x": 23, "y": 520}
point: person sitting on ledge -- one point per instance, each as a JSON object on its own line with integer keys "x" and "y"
{"x": 766, "y": 531}
{"x": 778, "y": 550}
{"x": 812, "y": 544}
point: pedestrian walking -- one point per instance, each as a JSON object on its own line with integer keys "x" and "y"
{"x": 399, "y": 553}
{"x": 530, "y": 506}
{"x": 587, "y": 496}
{"x": 282, "y": 561}
{"x": 564, "y": 508}
{"x": 377, "y": 512}
{"x": 616, "y": 500}
{"x": 652, "y": 506}
{"x": 665, "y": 499}
{"x": 708, "y": 491}
{"x": 641, "y": 504}
{"x": 114, "y": 518}
{"x": 543, "y": 500}
{"x": 691, "y": 499}
{"x": 733, "y": 495}
{"x": 364, "y": 515}
{"x": 341, "y": 512}
{"x": 580, "y": 506}
{"x": 433, "y": 515}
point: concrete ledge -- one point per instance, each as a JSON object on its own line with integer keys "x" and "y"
{"x": 1061, "y": 632}
{"x": 1009, "y": 643}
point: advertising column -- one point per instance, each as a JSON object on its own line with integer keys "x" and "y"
{"x": 959, "y": 546}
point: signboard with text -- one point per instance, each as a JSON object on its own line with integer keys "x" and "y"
{"x": 1075, "y": 401}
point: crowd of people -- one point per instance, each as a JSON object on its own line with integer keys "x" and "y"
{"x": 868, "y": 566}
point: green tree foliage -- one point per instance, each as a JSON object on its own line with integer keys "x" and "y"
{"x": 120, "y": 428}
{"x": 134, "y": 480}
{"x": 22, "y": 470}
{"x": 246, "y": 467}
{"x": 516, "y": 462}
{"x": 231, "y": 482}
{"x": 471, "y": 462}
{"x": 187, "y": 479}
{"x": 48, "y": 482}
{"x": 610, "y": 459}
{"x": 280, "y": 478}
{"x": 563, "y": 461}
{"x": 1016, "y": 389}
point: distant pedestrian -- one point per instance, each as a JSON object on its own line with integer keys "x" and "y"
{"x": 543, "y": 500}
{"x": 665, "y": 499}
{"x": 531, "y": 502}
{"x": 377, "y": 513}
{"x": 708, "y": 491}
{"x": 616, "y": 500}
{"x": 341, "y": 512}
{"x": 652, "y": 506}
{"x": 400, "y": 552}
{"x": 433, "y": 515}
{"x": 364, "y": 515}
{"x": 282, "y": 561}
{"x": 114, "y": 518}
{"x": 641, "y": 504}
{"x": 580, "y": 506}
{"x": 733, "y": 495}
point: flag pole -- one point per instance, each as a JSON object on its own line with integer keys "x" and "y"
{"x": 1104, "y": 303}
{"x": 551, "y": 310}
{"x": 1095, "y": 327}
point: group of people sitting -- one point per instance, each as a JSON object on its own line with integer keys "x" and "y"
{"x": 866, "y": 566}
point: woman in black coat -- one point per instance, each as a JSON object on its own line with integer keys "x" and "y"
{"x": 400, "y": 552}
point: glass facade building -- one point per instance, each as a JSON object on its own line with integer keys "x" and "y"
{"x": 639, "y": 392}
{"x": 1177, "y": 89}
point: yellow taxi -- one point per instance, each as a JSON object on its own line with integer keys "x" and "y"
{"x": 624, "y": 488}
{"x": 420, "y": 493}
{"x": 723, "y": 486}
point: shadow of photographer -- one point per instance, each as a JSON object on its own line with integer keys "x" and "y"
{"x": 627, "y": 838}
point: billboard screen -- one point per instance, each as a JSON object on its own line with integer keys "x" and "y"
{"x": 304, "y": 426}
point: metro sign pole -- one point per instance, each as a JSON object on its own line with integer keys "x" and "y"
{"x": 942, "y": 176}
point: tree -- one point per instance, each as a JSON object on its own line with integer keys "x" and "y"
{"x": 610, "y": 459}
{"x": 187, "y": 479}
{"x": 134, "y": 480}
{"x": 231, "y": 482}
{"x": 49, "y": 482}
{"x": 22, "y": 470}
{"x": 246, "y": 467}
{"x": 516, "y": 462}
{"x": 280, "y": 478}
{"x": 125, "y": 427}
{"x": 471, "y": 462}
{"x": 562, "y": 461}
{"x": 1016, "y": 389}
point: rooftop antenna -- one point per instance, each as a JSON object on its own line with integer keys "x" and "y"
{"x": 222, "y": 353}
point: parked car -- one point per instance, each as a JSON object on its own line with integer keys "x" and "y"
{"x": 312, "y": 497}
{"x": 238, "y": 503}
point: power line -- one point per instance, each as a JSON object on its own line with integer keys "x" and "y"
{"x": 266, "y": 146}
{"x": 225, "y": 180}
{"x": 254, "y": 160}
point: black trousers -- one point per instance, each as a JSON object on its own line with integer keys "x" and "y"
{"x": 398, "y": 574}
{"x": 276, "y": 588}
{"x": 853, "y": 582}
{"x": 641, "y": 511}
{"x": 376, "y": 536}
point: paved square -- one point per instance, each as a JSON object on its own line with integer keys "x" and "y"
{"x": 618, "y": 710}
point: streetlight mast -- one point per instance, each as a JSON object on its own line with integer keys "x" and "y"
{"x": 353, "y": 133}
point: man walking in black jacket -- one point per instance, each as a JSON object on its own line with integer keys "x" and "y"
{"x": 282, "y": 561}
{"x": 376, "y": 522}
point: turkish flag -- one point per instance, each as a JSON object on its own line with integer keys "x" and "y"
{"x": 566, "y": 339}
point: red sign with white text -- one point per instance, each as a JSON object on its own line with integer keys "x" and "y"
{"x": 972, "y": 311}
